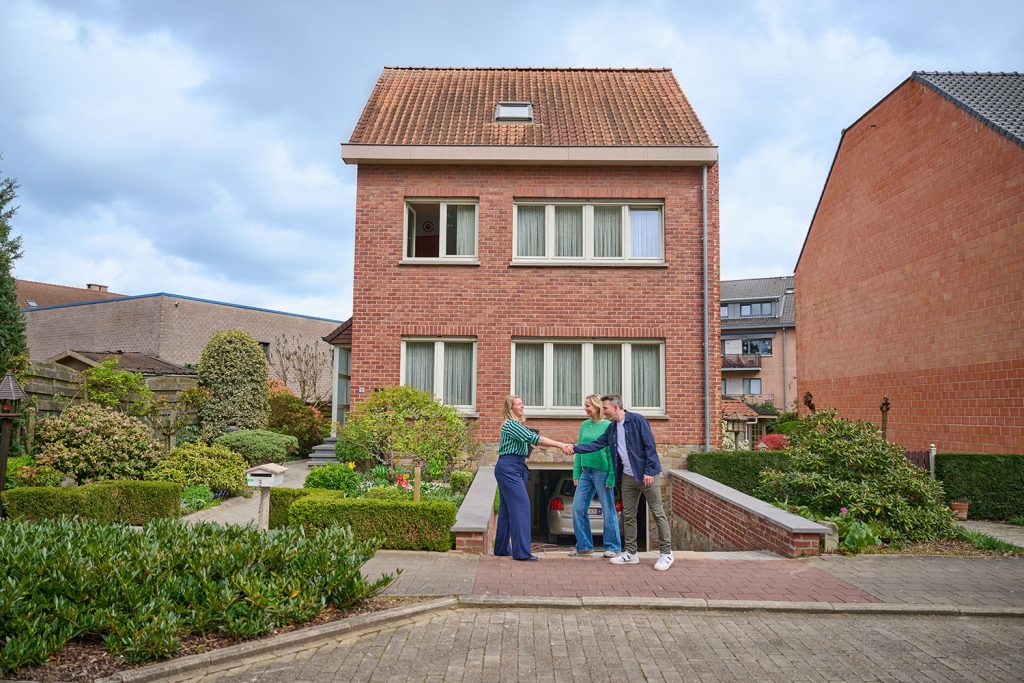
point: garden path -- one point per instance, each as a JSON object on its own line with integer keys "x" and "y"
{"x": 239, "y": 511}
{"x": 1010, "y": 533}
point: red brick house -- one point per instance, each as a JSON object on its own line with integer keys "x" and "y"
{"x": 547, "y": 232}
{"x": 911, "y": 278}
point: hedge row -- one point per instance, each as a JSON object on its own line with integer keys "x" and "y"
{"x": 993, "y": 484}
{"x": 398, "y": 524}
{"x": 740, "y": 470}
{"x": 123, "y": 501}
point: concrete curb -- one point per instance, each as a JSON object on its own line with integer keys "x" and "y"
{"x": 266, "y": 646}
{"x": 223, "y": 657}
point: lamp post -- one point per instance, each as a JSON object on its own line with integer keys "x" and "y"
{"x": 11, "y": 395}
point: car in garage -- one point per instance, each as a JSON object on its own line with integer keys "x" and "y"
{"x": 560, "y": 512}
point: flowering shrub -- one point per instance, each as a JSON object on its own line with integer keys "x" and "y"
{"x": 90, "y": 442}
{"x": 772, "y": 442}
{"x": 289, "y": 415}
{"x": 196, "y": 464}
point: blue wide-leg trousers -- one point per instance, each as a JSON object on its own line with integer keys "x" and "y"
{"x": 513, "y": 533}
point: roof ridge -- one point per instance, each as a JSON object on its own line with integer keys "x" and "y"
{"x": 54, "y": 284}
{"x": 967, "y": 73}
{"x": 531, "y": 68}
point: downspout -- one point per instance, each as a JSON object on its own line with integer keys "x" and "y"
{"x": 785, "y": 374}
{"x": 707, "y": 350}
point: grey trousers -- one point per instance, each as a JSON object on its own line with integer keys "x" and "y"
{"x": 630, "y": 499}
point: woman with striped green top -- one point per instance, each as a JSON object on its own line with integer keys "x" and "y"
{"x": 513, "y": 533}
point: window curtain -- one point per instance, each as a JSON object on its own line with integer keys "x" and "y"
{"x": 530, "y": 373}
{"x": 461, "y": 230}
{"x": 646, "y": 376}
{"x": 530, "y": 231}
{"x": 568, "y": 231}
{"x": 645, "y": 232}
{"x": 419, "y": 365}
{"x": 458, "y": 373}
{"x": 568, "y": 360}
{"x": 607, "y": 369}
{"x": 607, "y": 231}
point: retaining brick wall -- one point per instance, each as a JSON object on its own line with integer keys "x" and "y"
{"x": 707, "y": 515}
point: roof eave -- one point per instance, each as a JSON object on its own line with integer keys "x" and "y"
{"x": 660, "y": 155}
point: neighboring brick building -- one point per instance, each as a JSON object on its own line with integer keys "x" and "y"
{"x": 538, "y": 231}
{"x": 911, "y": 278}
{"x": 169, "y": 327}
{"x": 759, "y": 341}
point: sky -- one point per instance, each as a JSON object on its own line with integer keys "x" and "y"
{"x": 192, "y": 146}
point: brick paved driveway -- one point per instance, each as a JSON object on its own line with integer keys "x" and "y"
{"x": 597, "y": 645}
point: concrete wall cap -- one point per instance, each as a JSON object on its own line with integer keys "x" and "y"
{"x": 475, "y": 512}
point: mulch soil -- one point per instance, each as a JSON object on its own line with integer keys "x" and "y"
{"x": 947, "y": 547}
{"x": 88, "y": 659}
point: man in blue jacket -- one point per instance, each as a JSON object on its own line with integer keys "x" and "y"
{"x": 637, "y": 466}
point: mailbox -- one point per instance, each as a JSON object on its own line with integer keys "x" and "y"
{"x": 265, "y": 476}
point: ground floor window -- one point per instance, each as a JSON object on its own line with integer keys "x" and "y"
{"x": 445, "y": 368}
{"x": 555, "y": 376}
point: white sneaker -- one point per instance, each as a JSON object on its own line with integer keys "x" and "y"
{"x": 625, "y": 558}
{"x": 608, "y": 554}
{"x": 664, "y": 562}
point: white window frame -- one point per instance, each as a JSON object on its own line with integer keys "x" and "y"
{"x": 588, "y": 257}
{"x": 550, "y": 410}
{"x": 439, "y": 343}
{"x": 760, "y": 304}
{"x": 442, "y": 230}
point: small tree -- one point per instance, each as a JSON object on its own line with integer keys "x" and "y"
{"x": 168, "y": 417}
{"x": 13, "y": 342}
{"x": 302, "y": 365}
{"x": 118, "y": 389}
{"x": 233, "y": 368}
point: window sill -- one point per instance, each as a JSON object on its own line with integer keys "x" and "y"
{"x": 582, "y": 416}
{"x": 436, "y": 262}
{"x": 468, "y": 413}
{"x": 588, "y": 264}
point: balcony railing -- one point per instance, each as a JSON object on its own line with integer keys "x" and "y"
{"x": 745, "y": 361}
{"x": 753, "y": 399}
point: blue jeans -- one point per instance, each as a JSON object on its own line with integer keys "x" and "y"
{"x": 512, "y": 536}
{"x": 593, "y": 481}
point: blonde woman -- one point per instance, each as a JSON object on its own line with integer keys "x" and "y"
{"x": 513, "y": 534}
{"x": 594, "y": 473}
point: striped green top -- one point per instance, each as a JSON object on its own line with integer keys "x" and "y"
{"x": 516, "y": 439}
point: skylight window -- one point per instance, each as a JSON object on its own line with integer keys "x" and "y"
{"x": 513, "y": 111}
{"x": 32, "y": 303}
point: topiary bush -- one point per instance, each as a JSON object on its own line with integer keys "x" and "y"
{"x": 259, "y": 446}
{"x": 89, "y": 442}
{"x": 233, "y": 368}
{"x": 837, "y": 463}
{"x": 402, "y": 422}
{"x": 336, "y": 477}
{"x": 196, "y": 464}
{"x": 290, "y": 415}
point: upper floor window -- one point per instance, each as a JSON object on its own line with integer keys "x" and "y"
{"x": 553, "y": 377}
{"x": 725, "y": 310}
{"x": 441, "y": 230}
{"x": 759, "y": 346}
{"x": 567, "y": 232}
{"x": 445, "y": 368}
{"x": 757, "y": 309}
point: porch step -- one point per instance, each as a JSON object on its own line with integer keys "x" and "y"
{"x": 323, "y": 454}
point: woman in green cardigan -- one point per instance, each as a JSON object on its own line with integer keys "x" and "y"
{"x": 593, "y": 473}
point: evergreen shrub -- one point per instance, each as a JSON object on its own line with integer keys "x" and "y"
{"x": 259, "y": 446}
{"x": 120, "y": 501}
{"x": 992, "y": 484}
{"x": 196, "y": 464}
{"x": 233, "y": 368}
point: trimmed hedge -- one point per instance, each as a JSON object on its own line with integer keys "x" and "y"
{"x": 993, "y": 484}
{"x": 281, "y": 501}
{"x": 740, "y": 470}
{"x": 399, "y": 525}
{"x": 121, "y": 501}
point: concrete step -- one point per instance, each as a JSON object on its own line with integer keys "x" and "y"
{"x": 323, "y": 454}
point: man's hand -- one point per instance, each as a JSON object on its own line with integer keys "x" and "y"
{"x": 568, "y": 449}
{"x": 648, "y": 480}
{"x": 575, "y": 482}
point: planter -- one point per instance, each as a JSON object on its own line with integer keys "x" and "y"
{"x": 960, "y": 509}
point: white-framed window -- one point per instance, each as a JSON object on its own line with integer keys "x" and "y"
{"x": 752, "y": 386}
{"x": 553, "y": 376}
{"x": 756, "y": 309}
{"x": 444, "y": 367}
{"x": 521, "y": 112}
{"x": 762, "y": 347}
{"x": 567, "y": 232}
{"x": 725, "y": 310}
{"x": 441, "y": 230}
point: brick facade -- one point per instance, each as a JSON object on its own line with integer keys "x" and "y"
{"x": 169, "y": 327}
{"x": 496, "y": 301}
{"x": 910, "y": 282}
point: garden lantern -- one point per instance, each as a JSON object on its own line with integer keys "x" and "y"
{"x": 11, "y": 396}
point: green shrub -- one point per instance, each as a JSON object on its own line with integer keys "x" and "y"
{"x": 39, "y": 475}
{"x": 402, "y": 422}
{"x": 259, "y": 446}
{"x": 281, "y": 500}
{"x": 336, "y": 477}
{"x": 460, "y": 481}
{"x": 126, "y": 502}
{"x": 993, "y": 484}
{"x": 786, "y": 423}
{"x": 388, "y": 493}
{"x": 234, "y": 369}
{"x": 141, "y": 591}
{"x": 290, "y": 415}
{"x": 379, "y": 475}
{"x": 740, "y": 470}
{"x": 196, "y": 464}
{"x": 400, "y": 525}
{"x": 195, "y": 498}
{"x": 13, "y": 465}
{"x": 118, "y": 389}
{"x": 90, "y": 442}
{"x": 836, "y": 463}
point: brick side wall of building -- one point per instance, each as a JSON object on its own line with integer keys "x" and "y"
{"x": 910, "y": 283}
{"x": 496, "y": 301}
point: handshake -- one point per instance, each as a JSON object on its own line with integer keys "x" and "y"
{"x": 567, "y": 449}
